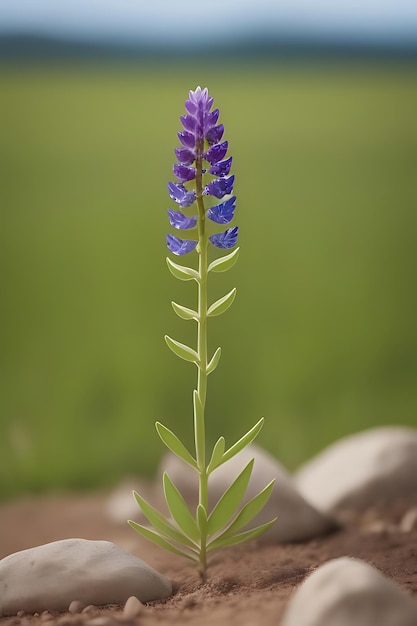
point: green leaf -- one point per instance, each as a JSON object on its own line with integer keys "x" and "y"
{"x": 229, "y": 501}
{"x": 160, "y": 523}
{"x": 248, "y": 534}
{"x": 198, "y": 425}
{"x": 184, "y": 312}
{"x": 243, "y": 441}
{"x": 224, "y": 263}
{"x": 160, "y": 541}
{"x": 202, "y": 519}
{"x": 250, "y": 510}
{"x": 221, "y": 305}
{"x": 214, "y": 361}
{"x": 216, "y": 456}
{"x": 179, "y": 510}
{"x": 181, "y": 350}
{"x": 174, "y": 444}
{"x": 181, "y": 272}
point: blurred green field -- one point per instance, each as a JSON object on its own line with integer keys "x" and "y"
{"x": 322, "y": 338}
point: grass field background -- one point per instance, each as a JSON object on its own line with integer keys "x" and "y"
{"x": 322, "y": 338}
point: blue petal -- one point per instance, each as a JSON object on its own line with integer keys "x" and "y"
{"x": 220, "y": 187}
{"x": 184, "y": 155}
{"x": 183, "y": 172}
{"x": 222, "y": 213}
{"x": 214, "y": 134}
{"x": 181, "y": 221}
{"x": 180, "y": 246}
{"x": 181, "y": 196}
{"x": 187, "y": 139}
{"x": 222, "y": 168}
{"x": 216, "y": 153}
{"x": 225, "y": 240}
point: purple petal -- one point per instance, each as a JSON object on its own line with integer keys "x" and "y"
{"x": 222, "y": 213}
{"x": 187, "y": 139}
{"x": 183, "y": 197}
{"x": 180, "y": 246}
{"x": 184, "y": 155}
{"x": 181, "y": 221}
{"x": 222, "y": 168}
{"x": 214, "y": 134}
{"x": 220, "y": 187}
{"x": 189, "y": 122}
{"x": 225, "y": 240}
{"x": 184, "y": 173}
{"x": 212, "y": 118}
{"x": 216, "y": 153}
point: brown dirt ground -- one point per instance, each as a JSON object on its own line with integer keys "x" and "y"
{"x": 248, "y": 584}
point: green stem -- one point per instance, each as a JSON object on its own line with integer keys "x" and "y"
{"x": 200, "y": 434}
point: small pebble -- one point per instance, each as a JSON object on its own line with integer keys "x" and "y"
{"x": 75, "y": 606}
{"x": 132, "y": 608}
{"x": 20, "y": 613}
{"x": 90, "y": 608}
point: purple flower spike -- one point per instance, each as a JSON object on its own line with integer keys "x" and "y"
{"x": 200, "y": 157}
{"x": 181, "y": 221}
{"x": 180, "y": 246}
{"x": 179, "y": 193}
{"x": 223, "y": 213}
{"x": 184, "y": 173}
{"x": 222, "y": 168}
{"x": 216, "y": 153}
{"x": 225, "y": 240}
{"x": 220, "y": 187}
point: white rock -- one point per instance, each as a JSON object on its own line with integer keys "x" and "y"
{"x": 297, "y": 519}
{"x": 349, "y": 592}
{"x": 121, "y": 506}
{"x": 51, "y": 576}
{"x": 371, "y": 468}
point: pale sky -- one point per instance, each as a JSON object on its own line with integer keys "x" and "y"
{"x": 188, "y": 19}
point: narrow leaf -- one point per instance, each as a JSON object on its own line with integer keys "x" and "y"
{"x": 216, "y": 456}
{"x": 179, "y": 510}
{"x": 243, "y": 441}
{"x": 184, "y": 312}
{"x": 160, "y": 541}
{"x": 224, "y": 263}
{"x": 221, "y": 305}
{"x": 229, "y": 501}
{"x": 250, "y": 510}
{"x": 181, "y": 272}
{"x": 174, "y": 444}
{"x": 181, "y": 350}
{"x": 249, "y": 534}
{"x": 160, "y": 523}
{"x": 214, "y": 361}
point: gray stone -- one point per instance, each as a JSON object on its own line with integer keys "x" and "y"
{"x": 347, "y": 592}
{"x": 297, "y": 519}
{"x": 372, "y": 468}
{"x": 51, "y": 576}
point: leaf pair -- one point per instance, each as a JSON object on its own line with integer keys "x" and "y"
{"x": 219, "y": 265}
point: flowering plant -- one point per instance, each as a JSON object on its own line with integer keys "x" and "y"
{"x": 202, "y": 173}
